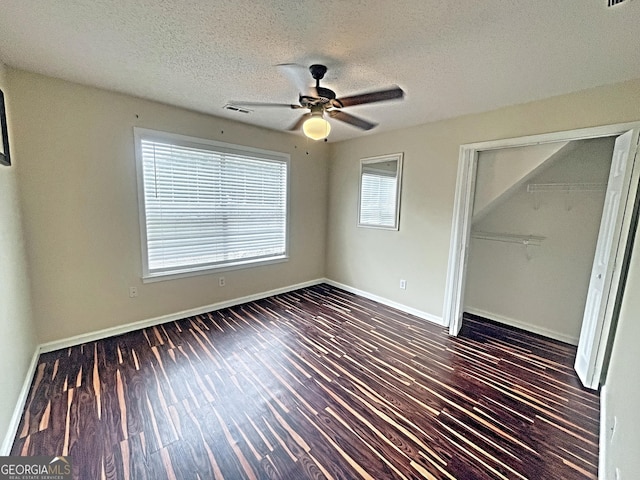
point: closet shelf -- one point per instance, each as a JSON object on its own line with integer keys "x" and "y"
{"x": 566, "y": 187}
{"x": 526, "y": 240}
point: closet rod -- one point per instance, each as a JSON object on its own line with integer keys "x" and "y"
{"x": 534, "y": 240}
{"x": 566, "y": 187}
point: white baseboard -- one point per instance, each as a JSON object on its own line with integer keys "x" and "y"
{"x": 523, "y": 326}
{"x": 12, "y": 428}
{"x": 390, "y": 303}
{"x": 130, "y": 327}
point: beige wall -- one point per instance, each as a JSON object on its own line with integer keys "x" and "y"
{"x": 79, "y": 196}
{"x": 503, "y": 170}
{"x": 17, "y": 333}
{"x": 622, "y": 392}
{"x": 375, "y": 260}
{"x": 544, "y": 289}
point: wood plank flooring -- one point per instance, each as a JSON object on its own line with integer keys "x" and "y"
{"x": 313, "y": 384}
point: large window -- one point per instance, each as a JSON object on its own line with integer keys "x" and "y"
{"x": 206, "y": 205}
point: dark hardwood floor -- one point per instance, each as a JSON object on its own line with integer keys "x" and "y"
{"x": 317, "y": 383}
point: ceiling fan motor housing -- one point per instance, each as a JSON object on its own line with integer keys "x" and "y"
{"x": 317, "y": 71}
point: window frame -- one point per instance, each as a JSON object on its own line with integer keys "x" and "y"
{"x": 381, "y": 159}
{"x": 218, "y": 147}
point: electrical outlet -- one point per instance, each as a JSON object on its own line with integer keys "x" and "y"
{"x": 403, "y": 284}
{"x": 133, "y": 292}
{"x": 221, "y": 282}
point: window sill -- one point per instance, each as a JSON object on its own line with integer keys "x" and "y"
{"x": 160, "y": 277}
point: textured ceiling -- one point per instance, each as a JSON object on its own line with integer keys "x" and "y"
{"x": 451, "y": 58}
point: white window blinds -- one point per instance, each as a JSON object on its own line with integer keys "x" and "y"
{"x": 378, "y": 198}
{"x": 208, "y": 206}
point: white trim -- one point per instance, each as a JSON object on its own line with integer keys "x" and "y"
{"x": 523, "y": 326}
{"x": 604, "y": 436}
{"x": 459, "y": 244}
{"x": 14, "y": 424}
{"x": 568, "y": 135}
{"x": 390, "y": 303}
{"x": 130, "y": 327}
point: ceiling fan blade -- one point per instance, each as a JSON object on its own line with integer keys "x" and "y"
{"x": 371, "y": 97}
{"x": 298, "y": 76}
{"x": 263, "y": 104}
{"x": 299, "y": 122}
{"x": 351, "y": 119}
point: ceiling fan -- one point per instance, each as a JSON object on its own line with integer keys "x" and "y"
{"x": 320, "y": 100}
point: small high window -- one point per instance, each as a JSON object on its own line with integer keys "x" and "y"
{"x": 380, "y": 182}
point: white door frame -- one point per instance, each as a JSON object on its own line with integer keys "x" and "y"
{"x": 463, "y": 207}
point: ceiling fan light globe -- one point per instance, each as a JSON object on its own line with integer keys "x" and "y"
{"x": 316, "y": 128}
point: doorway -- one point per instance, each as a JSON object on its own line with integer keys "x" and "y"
{"x": 612, "y": 238}
{"x": 535, "y": 223}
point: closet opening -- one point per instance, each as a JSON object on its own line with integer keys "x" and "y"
{"x": 534, "y": 213}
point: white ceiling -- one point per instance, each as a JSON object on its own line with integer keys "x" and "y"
{"x": 450, "y": 57}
